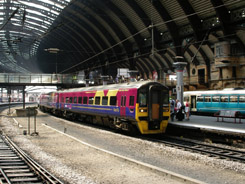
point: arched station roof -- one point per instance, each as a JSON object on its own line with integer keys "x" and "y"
{"x": 143, "y": 35}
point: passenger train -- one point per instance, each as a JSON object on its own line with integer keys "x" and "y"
{"x": 214, "y": 100}
{"x": 128, "y": 106}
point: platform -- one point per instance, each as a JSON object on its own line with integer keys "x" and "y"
{"x": 211, "y": 124}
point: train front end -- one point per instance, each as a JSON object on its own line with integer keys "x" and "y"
{"x": 152, "y": 108}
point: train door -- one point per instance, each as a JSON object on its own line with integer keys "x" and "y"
{"x": 193, "y": 103}
{"x": 123, "y": 103}
{"x": 155, "y": 102}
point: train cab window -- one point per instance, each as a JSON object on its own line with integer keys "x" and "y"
{"x": 200, "y": 99}
{"x": 105, "y": 100}
{"x": 165, "y": 98}
{"x": 242, "y": 99}
{"x": 142, "y": 98}
{"x": 131, "y": 101}
{"x": 70, "y": 99}
{"x": 224, "y": 99}
{"x": 233, "y": 98}
{"x": 85, "y": 100}
{"x": 80, "y": 100}
{"x": 97, "y": 100}
{"x": 215, "y": 99}
{"x": 207, "y": 99}
{"x": 113, "y": 100}
{"x": 91, "y": 100}
{"x": 75, "y": 99}
{"x": 155, "y": 97}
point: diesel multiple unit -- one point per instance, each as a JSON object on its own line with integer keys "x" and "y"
{"x": 128, "y": 106}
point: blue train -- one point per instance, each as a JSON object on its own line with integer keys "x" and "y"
{"x": 214, "y": 100}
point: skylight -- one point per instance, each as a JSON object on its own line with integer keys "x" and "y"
{"x": 34, "y": 5}
{"x": 29, "y": 20}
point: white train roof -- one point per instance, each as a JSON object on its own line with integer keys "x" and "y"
{"x": 215, "y": 92}
{"x": 111, "y": 86}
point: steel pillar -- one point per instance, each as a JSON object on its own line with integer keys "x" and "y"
{"x": 24, "y": 97}
{"x": 179, "y": 66}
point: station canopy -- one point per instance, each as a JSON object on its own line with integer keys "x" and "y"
{"x": 66, "y": 36}
{"x": 23, "y": 23}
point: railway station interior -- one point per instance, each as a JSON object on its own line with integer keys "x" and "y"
{"x": 89, "y": 84}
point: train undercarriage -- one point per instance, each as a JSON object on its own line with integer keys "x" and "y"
{"x": 115, "y": 123}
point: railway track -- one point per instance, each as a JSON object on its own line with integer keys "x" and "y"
{"x": 198, "y": 147}
{"x": 17, "y": 167}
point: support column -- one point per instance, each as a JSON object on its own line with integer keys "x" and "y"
{"x": 23, "y": 97}
{"x": 1, "y": 94}
{"x": 179, "y": 66}
{"x": 18, "y": 94}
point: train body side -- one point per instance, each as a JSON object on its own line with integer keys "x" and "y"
{"x": 213, "y": 101}
{"x": 48, "y": 101}
{"x": 119, "y": 107}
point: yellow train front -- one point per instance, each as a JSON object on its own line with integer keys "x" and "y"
{"x": 152, "y": 108}
{"x": 127, "y": 106}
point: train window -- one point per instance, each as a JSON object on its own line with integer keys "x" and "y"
{"x": 121, "y": 100}
{"x": 124, "y": 101}
{"x": 70, "y": 99}
{"x": 67, "y": 99}
{"x": 113, "y": 100}
{"x": 97, "y": 100}
{"x": 207, "y": 99}
{"x": 242, "y": 99}
{"x": 233, "y": 98}
{"x": 215, "y": 99}
{"x": 75, "y": 99}
{"x": 224, "y": 99}
{"x": 200, "y": 99}
{"x": 131, "y": 101}
{"x": 80, "y": 100}
{"x": 155, "y": 97}
{"x": 85, "y": 100}
{"x": 142, "y": 98}
{"x": 165, "y": 98}
{"x": 91, "y": 100}
{"x": 186, "y": 98}
{"x": 104, "y": 100}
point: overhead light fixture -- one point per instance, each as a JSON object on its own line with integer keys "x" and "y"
{"x": 52, "y": 50}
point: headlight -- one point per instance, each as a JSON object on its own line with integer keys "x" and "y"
{"x": 165, "y": 110}
{"x": 143, "y": 110}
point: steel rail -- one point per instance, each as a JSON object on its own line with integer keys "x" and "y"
{"x": 38, "y": 169}
{"x": 196, "y": 146}
{"x": 5, "y": 176}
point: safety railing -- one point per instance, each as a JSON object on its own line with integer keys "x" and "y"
{"x": 36, "y": 78}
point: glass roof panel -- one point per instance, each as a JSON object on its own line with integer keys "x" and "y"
{"x": 34, "y": 5}
{"x": 22, "y": 22}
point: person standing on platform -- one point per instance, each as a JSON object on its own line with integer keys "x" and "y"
{"x": 187, "y": 109}
{"x": 172, "y": 106}
{"x": 179, "y": 114}
{"x": 178, "y": 105}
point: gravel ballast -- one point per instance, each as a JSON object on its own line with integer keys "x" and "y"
{"x": 74, "y": 162}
